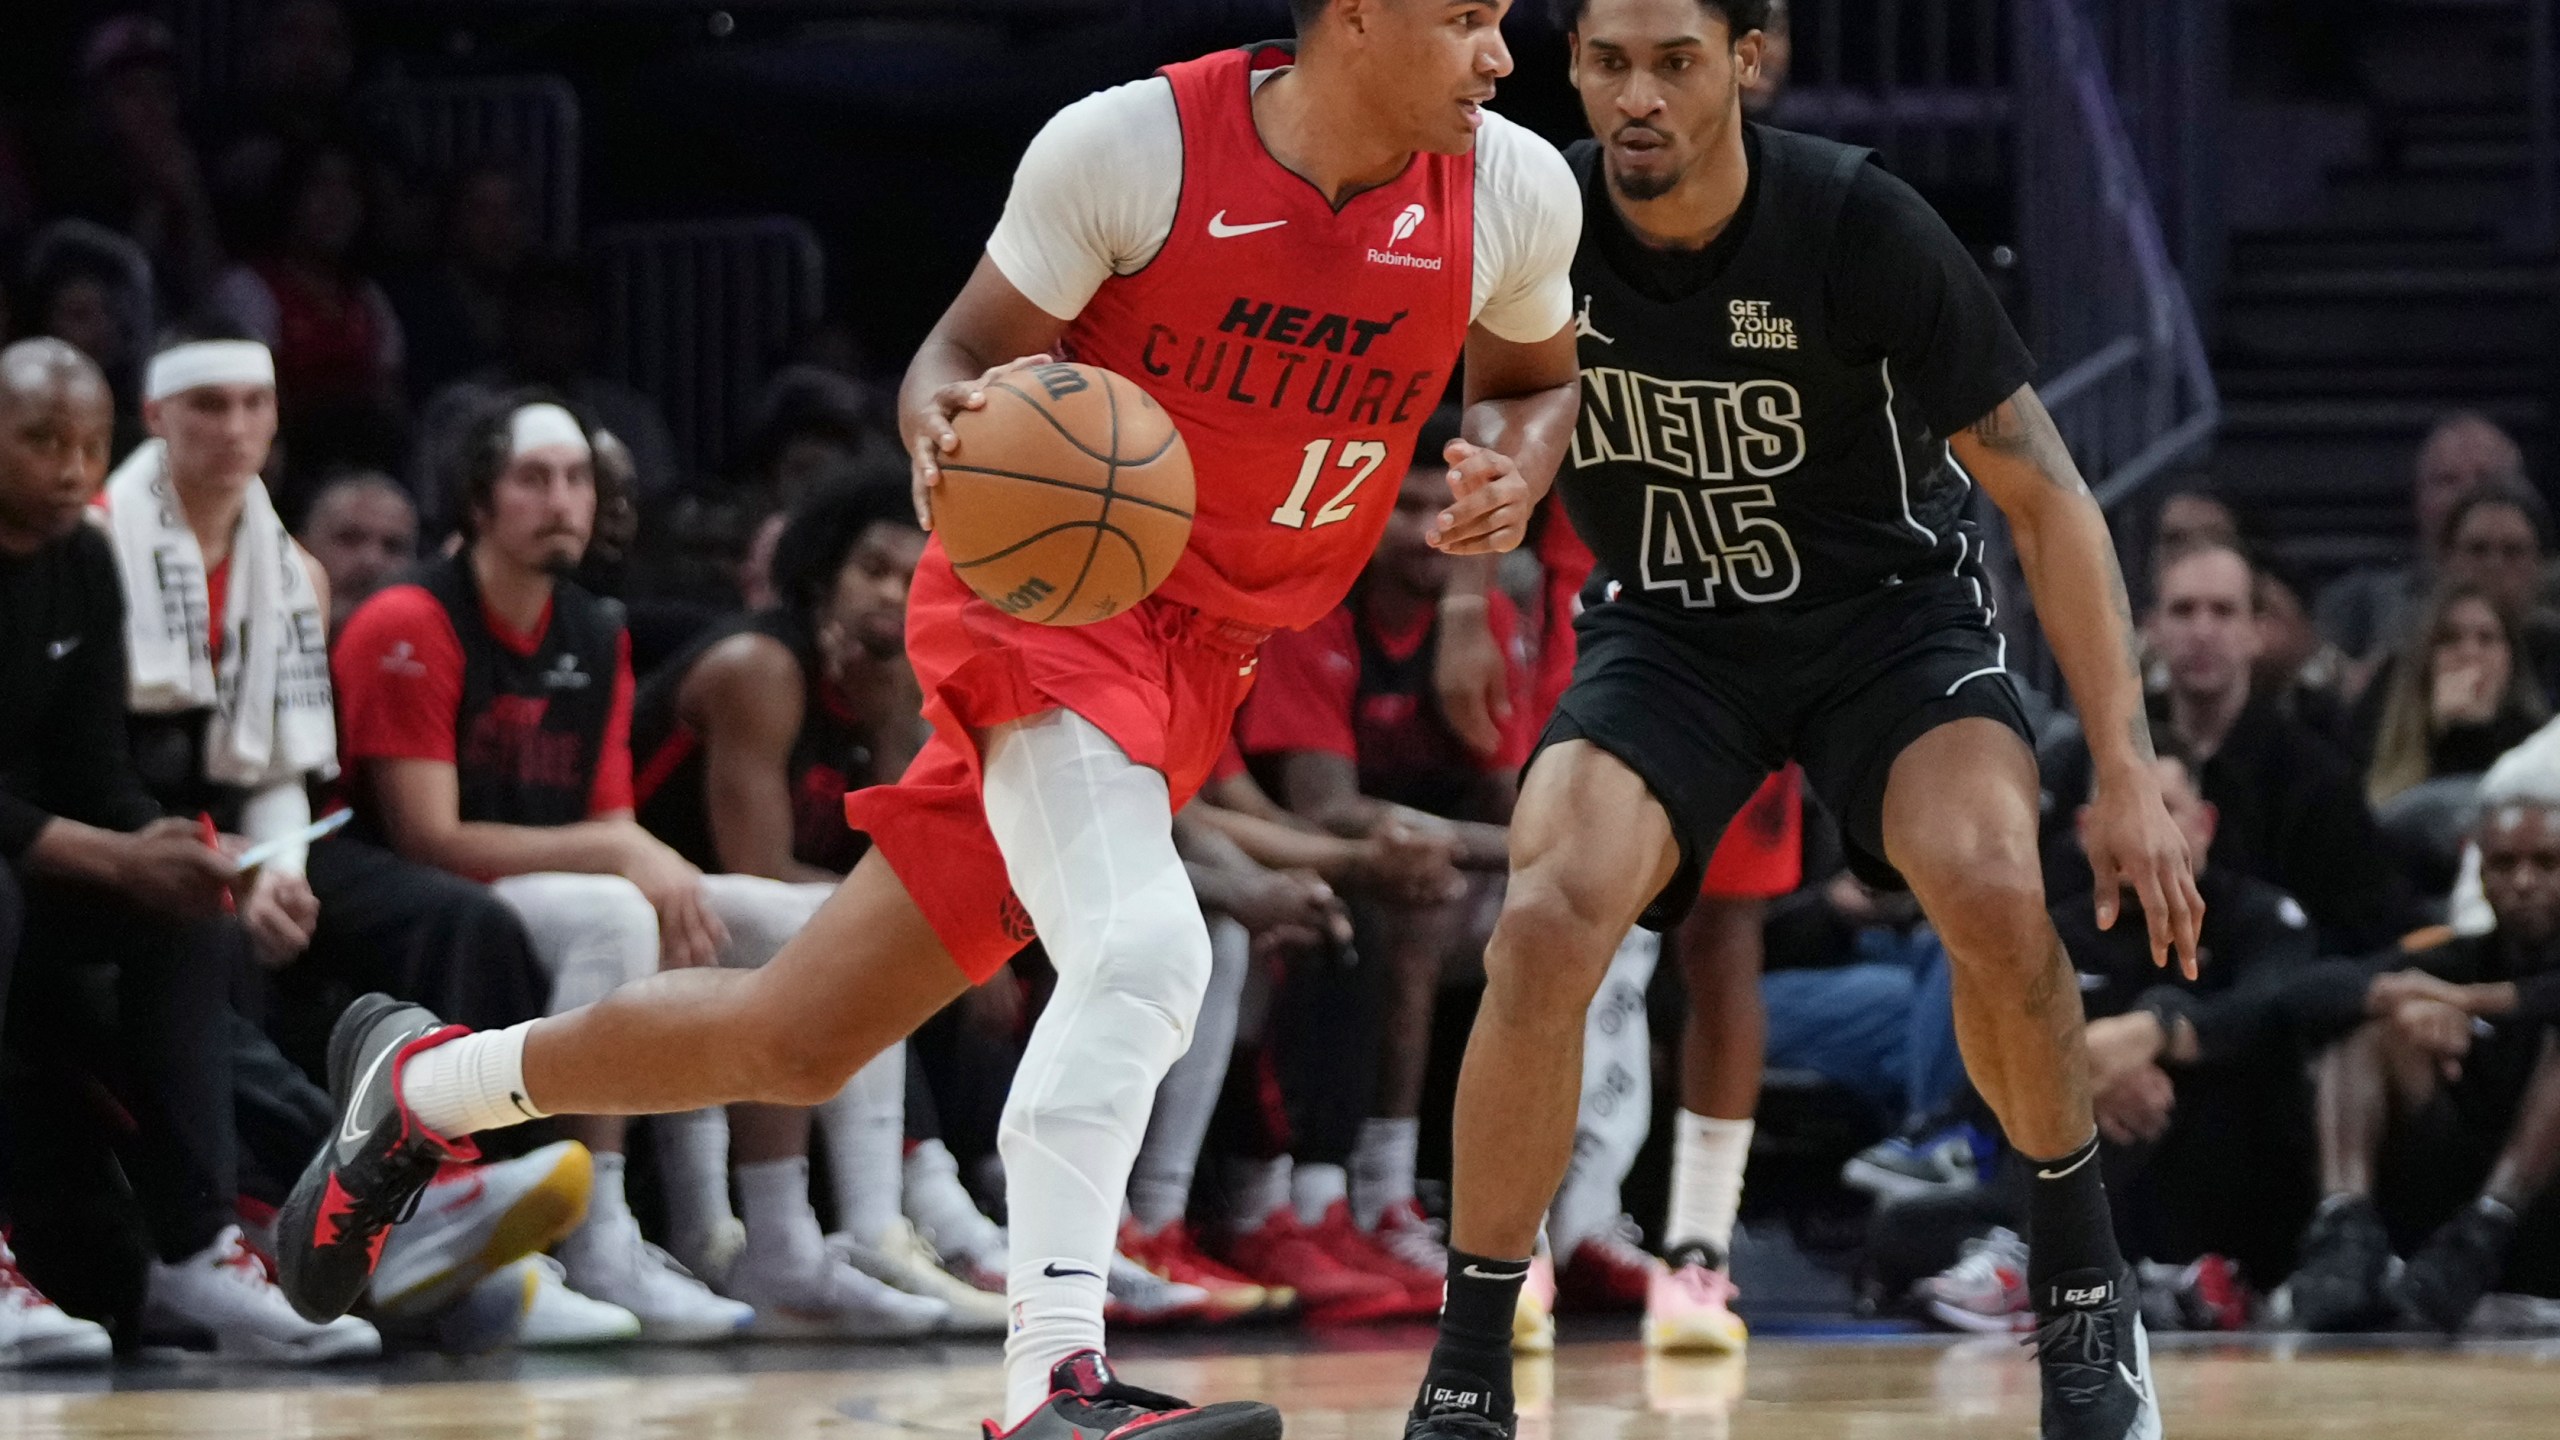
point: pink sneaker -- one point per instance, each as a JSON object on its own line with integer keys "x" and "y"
{"x": 1688, "y": 1310}
{"x": 1533, "y": 1323}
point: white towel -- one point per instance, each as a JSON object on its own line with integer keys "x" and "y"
{"x": 272, "y": 719}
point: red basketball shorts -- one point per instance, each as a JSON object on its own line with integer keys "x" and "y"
{"x": 1162, "y": 680}
{"x": 1761, "y": 856}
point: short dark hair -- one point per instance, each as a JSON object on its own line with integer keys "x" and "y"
{"x": 2500, "y": 492}
{"x": 203, "y": 327}
{"x": 1306, "y": 12}
{"x": 1741, "y": 17}
{"x": 819, "y": 536}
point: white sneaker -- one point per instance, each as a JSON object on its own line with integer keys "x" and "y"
{"x": 802, "y": 1290}
{"x": 1412, "y": 1237}
{"x": 557, "y": 1317}
{"x": 947, "y": 1216}
{"x": 1142, "y": 1299}
{"x": 1985, "y": 1291}
{"x": 711, "y": 1258}
{"x": 606, "y": 1259}
{"x": 225, "y": 1296}
{"x": 904, "y": 1261}
{"x": 472, "y": 1223}
{"x": 35, "y": 1331}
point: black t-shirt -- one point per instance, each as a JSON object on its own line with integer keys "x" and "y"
{"x": 1764, "y": 421}
{"x": 2327, "y": 1000}
{"x": 62, "y": 694}
{"x": 2255, "y": 940}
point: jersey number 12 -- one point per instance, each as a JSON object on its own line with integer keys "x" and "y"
{"x": 1361, "y": 457}
{"x": 1718, "y": 539}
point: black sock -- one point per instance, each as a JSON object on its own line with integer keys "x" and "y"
{"x": 1471, "y": 1364}
{"x": 2069, "y": 1227}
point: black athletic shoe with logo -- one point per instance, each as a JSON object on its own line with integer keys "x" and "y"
{"x": 1459, "y": 1407}
{"x": 2096, "y": 1359}
{"x": 2338, "y": 1283}
{"x": 377, "y": 1161}
{"x": 2446, "y": 1278}
{"x": 1088, "y": 1402}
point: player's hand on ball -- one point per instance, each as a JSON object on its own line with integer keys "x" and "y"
{"x": 2133, "y": 844}
{"x": 926, "y": 427}
{"x": 1490, "y": 514}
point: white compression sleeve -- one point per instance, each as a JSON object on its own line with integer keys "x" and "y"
{"x": 1087, "y": 837}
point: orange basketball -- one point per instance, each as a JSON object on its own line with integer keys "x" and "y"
{"x": 1069, "y": 498}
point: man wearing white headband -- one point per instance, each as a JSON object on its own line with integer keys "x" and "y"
{"x": 488, "y": 732}
{"x": 226, "y": 635}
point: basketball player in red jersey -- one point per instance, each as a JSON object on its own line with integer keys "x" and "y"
{"x": 1290, "y": 257}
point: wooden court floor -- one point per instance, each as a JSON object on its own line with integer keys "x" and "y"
{"x": 1914, "y": 1390}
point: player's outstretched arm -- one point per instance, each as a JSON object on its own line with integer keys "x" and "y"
{"x": 2070, "y": 564}
{"x": 990, "y": 329}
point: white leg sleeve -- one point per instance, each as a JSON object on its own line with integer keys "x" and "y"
{"x": 594, "y": 933}
{"x": 866, "y": 1132}
{"x": 1160, "y": 1191}
{"x": 1617, "y": 1098}
{"x": 1087, "y": 837}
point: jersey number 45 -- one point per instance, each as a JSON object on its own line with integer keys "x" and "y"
{"x": 1700, "y": 543}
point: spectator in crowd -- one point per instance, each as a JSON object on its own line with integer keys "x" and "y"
{"x": 2456, "y": 697}
{"x": 551, "y": 343}
{"x": 1347, "y": 722}
{"x": 91, "y": 288}
{"x": 2292, "y": 812}
{"x": 2193, "y": 512}
{"x": 487, "y": 721}
{"x": 2365, "y": 610}
{"x": 363, "y": 531}
{"x": 812, "y": 423}
{"x": 298, "y": 71}
{"x": 2439, "y": 1100}
{"x": 226, "y": 643}
{"x": 2496, "y": 539}
{"x": 127, "y": 162}
{"x": 455, "y": 310}
{"x": 2302, "y": 669}
{"x": 337, "y": 342}
{"x": 97, "y": 875}
{"x": 750, "y": 741}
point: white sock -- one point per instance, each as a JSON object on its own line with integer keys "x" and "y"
{"x": 866, "y": 1132}
{"x": 1316, "y": 1189}
{"x": 1256, "y": 1190}
{"x": 693, "y": 1165}
{"x": 942, "y": 1208}
{"x": 607, "y": 1209}
{"x": 1382, "y": 1168}
{"x": 1707, "y": 1161}
{"x": 775, "y": 1195}
{"x": 469, "y": 1084}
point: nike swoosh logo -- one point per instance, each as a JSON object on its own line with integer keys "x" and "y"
{"x": 348, "y": 1133}
{"x": 2068, "y": 1169}
{"x": 1474, "y": 1273}
{"x": 2141, "y": 1383}
{"x": 1219, "y": 227}
{"x": 1055, "y": 1273}
{"x": 60, "y": 648}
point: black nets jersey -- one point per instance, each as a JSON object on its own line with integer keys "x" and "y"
{"x": 1763, "y": 422}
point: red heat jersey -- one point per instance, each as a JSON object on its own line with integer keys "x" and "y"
{"x": 1298, "y": 348}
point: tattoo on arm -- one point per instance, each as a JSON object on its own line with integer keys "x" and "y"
{"x": 2020, "y": 426}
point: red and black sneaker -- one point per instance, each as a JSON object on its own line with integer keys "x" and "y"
{"x": 368, "y": 1177}
{"x": 1088, "y": 1402}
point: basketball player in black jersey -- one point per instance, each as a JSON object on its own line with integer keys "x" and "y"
{"x": 1786, "y": 358}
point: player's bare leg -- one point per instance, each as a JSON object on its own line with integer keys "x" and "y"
{"x": 1960, "y": 811}
{"x": 1590, "y": 848}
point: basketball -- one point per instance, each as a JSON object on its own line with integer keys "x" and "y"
{"x": 1069, "y": 498}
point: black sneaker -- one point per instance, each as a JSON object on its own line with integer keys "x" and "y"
{"x": 1454, "y": 1407}
{"x": 368, "y": 1177}
{"x": 2095, "y": 1358}
{"x": 1088, "y": 1402}
{"x": 2458, "y": 1264}
{"x": 2337, "y": 1284}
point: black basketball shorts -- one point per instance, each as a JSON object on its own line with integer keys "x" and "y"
{"x": 1703, "y": 710}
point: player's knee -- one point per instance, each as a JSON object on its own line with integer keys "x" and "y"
{"x": 1987, "y": 903}
{"x": 1155, "y": 956}
{"x": 1549, "y": 951}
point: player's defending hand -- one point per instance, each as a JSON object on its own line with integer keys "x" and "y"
{"x": 925, "y": 425}
{"x": 2133, "y": 843}
{"x": 1490, "y": 512}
